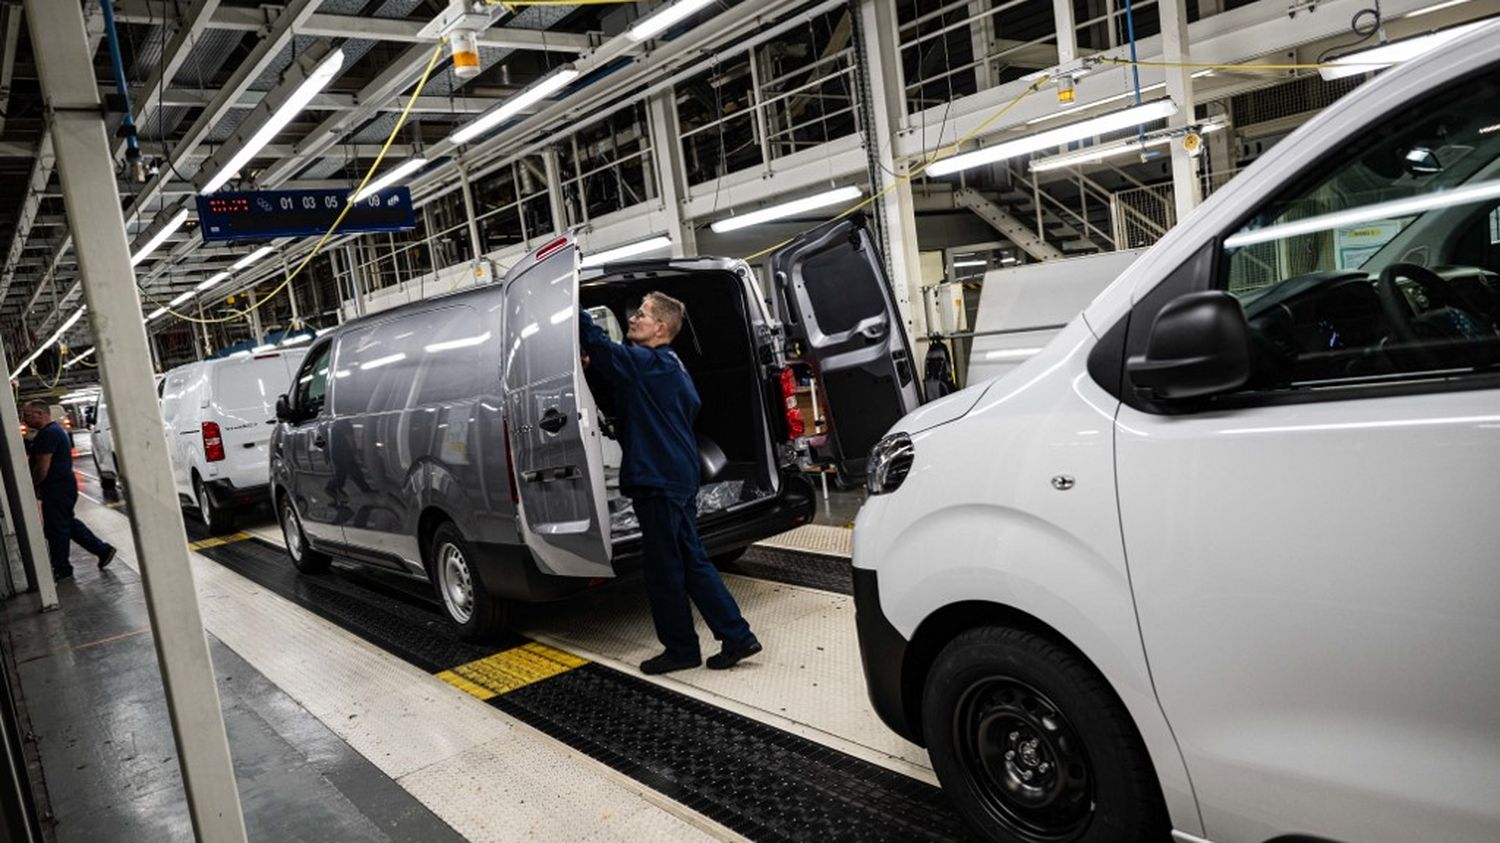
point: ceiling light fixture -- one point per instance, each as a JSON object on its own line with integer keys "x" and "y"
{"x": 180, "y": 299}
{"x": 787, "y": 209}
{"x": 311, "y": 86}
{"x": 971, "y": 263}
{"x": 56, "y": 335}
{"x": 212, "y": 280}
{"x": 630, "y": 250}
{"x": 297, "y": 339}
{"x": 1113, "y": 149}
{"x": 398, "y": 173}
{"x": 80, "y": 358}
{"x": 251, "y": 258}
{"x": 1378, "y": 58}
{"x": 1073, "y": 111}
{"x": 654, "y": 24}
{"x": 153, "y": 315}
{"x": 538, "y": 91}
{"x": 1102, "y": 124}
{"x": 160, "y": 237}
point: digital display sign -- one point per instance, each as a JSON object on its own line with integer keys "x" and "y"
{"x": 265, "y": 214}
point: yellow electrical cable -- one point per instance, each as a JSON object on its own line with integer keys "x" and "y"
{"x": 942, "y": 153}
{"x": 431, "y": 63}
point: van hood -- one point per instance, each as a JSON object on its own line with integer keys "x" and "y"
{"x": 946, "y": 409}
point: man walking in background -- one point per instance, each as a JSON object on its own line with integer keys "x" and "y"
{"x": 656, "y": 405}
{"x": 57, "y": 489}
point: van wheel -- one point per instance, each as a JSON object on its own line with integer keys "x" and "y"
{"x": 217, "y": 520}
{"x": 479, "y": 615}
{"x": 105, "y": 483}
{"x": 1032, "y": 745}
{"x": 307, "y": 560}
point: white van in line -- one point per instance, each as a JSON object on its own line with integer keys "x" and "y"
{"x": 1223, "y": 560}
{"x": 102, "y": 441}
{"x": 218, "y": 416}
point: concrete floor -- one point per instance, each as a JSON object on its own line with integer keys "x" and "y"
{"x": 89, "y": 682}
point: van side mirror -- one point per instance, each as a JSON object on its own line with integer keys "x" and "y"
{"x": 284, "y": 410}
{"x": 1199, "y": 346}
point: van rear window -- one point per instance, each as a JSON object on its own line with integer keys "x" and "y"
{"x": 252, "y": 383}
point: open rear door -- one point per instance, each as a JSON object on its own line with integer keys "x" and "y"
{"x": 554, "y": 427}
{"x": 841, "y": 320}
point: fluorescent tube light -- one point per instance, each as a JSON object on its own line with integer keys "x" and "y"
{"x": 1438, "y": 8}
{"x": 1073, "y": 110}
{"x": 1395, "y": 52}
{"x": 540, "y": 90}
{"x": 1099, "y": 152}
{"x": 251, "y": 258}
{"x": 630, "y": 250}
{"x": 297, "y": 340}
{"x": 160, "y": 237}
{"x": 654, "y": 24}
{"x": 401, "y": 171}
{"x": 1380, "y": 211}
{"x": 787, "y": 209}
{"x": 212, "y": 280}
{"x": 56, "y": 335}
{"x": 1102, "y": 124}
{"x": 160, "y": 311}
{"x": 262, "y": 348}
{"x": 971, "y": 263}
{"x": 310, "y": 87}
{"x": 180, "y": 299}
{"x": 80, "y": 358}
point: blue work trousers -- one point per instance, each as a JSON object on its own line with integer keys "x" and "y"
{"x": 61, "y": 528}
{"x": 677, "y": 569}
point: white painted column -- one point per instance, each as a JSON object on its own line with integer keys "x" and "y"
{"x": 475, "y": 245}
{"x": 1186, "y": 188}
{"x": 93, "y": 206}
{"x": 671, "y": 173}
{"x": 559, "y": 208}
{"x": 18, "y": 474}
{"x": 1067, "y": 30}
{"x": 886, "y": 89}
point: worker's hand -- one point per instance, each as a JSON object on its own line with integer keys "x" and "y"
{"x": 585, "y": 357}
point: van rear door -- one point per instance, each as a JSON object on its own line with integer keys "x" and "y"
{"x": 554, "y": 426}
{"x": 841, "y": 320}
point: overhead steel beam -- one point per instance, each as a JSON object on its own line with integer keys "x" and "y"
{"x": 36, "y": 186}
{"x": 376, "y": 29}
{"x": 176, "y": 51}
{"x": 202, "y": 97}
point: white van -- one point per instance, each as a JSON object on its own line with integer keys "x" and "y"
{"x": 1223, "y": 561}
{"x": 218, "y": 416}
{"x": 102, "y": 441}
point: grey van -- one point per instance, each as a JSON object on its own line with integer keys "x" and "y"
{"x": 459, "y": 441}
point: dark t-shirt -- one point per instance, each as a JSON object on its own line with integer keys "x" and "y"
{"x": 53, "y": 439}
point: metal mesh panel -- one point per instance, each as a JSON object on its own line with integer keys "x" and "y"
{"x": 1299, "y": 96}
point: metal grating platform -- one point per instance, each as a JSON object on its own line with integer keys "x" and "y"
{"x": 814, "y": 538}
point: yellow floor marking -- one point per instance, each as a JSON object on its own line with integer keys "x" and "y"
{"x": 510, "y": 669}
{"x": 216, "y": 541}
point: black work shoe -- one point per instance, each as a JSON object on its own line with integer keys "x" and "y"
{"x": 731, "y": 656}
{"x": 666, "y": 663}
{"x": 106, "y": 557}
{"x": 59, "y": 576}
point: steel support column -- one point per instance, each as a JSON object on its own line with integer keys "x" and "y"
{"x": 18, "y": 489}
{"x": 90, "y": 195}
{"x": 671, "y": 174}
{"x": 1186, "y": 188}
{"x": 475, "y": 246}
{"x": 884, "y": 93}
{"x": 555, "y": 201}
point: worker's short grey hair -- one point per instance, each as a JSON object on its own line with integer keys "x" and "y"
{"x": 667, "y": 310}
{"x": 39, "y": 406}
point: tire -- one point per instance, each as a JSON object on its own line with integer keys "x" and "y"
{"x": 479, "y": 615}
{"x": 106, "y": 483}
{"x": 218, "y": 521}
{"x": 307, "y": 560}
{"x": 1033, "y": 746}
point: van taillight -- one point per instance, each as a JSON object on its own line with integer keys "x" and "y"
{"x": 794, "y": 426}
{"x": 213, "y": 443}
{"x": 510, "y": 466}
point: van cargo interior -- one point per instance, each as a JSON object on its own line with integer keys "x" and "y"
{"x": 732, "y": 426}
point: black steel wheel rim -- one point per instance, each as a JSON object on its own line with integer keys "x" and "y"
{"x": 1026, "y": 763}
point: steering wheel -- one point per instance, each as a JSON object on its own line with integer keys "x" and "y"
{"x": 1397, "y": 309}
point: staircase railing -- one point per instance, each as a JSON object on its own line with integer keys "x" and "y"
{"x": 1045, "y": 201}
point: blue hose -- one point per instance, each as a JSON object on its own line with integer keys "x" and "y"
{"x": 132, "y": 144}
{"x": 1135, "y": 68}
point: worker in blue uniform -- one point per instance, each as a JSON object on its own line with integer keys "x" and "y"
{"x": 655, "y": 407}
{"x": 57, "y": 489}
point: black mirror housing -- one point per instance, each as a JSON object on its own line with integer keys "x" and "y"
{"x": 1199, "y": 346}
{"x": 284, "y": 410}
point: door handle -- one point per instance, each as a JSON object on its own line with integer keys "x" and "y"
{"x": 560, "y": 472}
{"x": 319, "y": 442}
{"x": 552, "y": 421}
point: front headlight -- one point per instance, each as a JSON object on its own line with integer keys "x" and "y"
{"x": 890, "y": 461}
